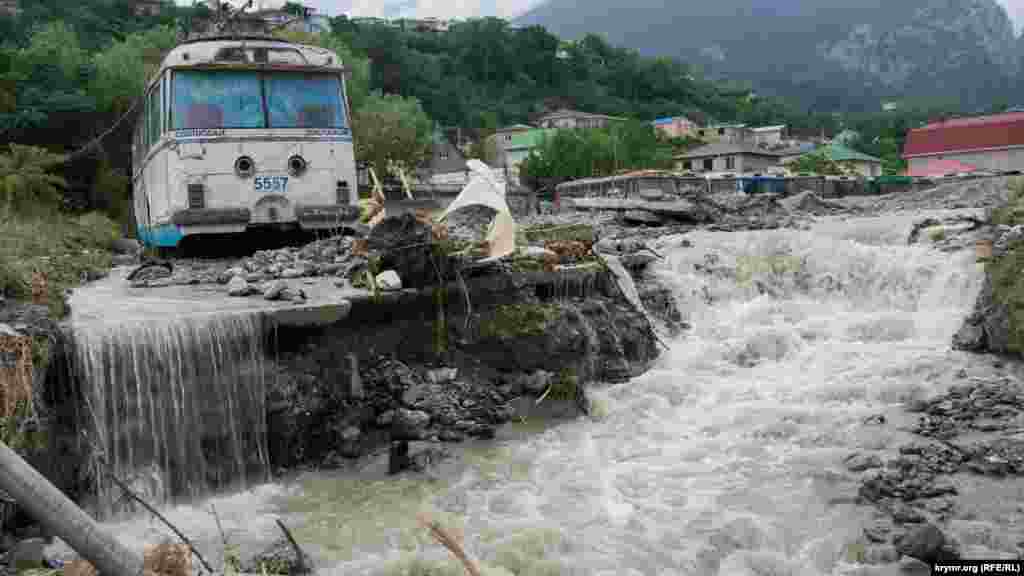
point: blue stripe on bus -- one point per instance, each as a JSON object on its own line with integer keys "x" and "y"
{"x": 164, "y": 236}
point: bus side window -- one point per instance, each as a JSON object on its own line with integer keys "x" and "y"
{"x": 144, "y": 121}
{"x": 154, "y": 114}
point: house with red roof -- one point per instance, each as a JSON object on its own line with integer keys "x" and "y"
{"x": 994, "y": 143}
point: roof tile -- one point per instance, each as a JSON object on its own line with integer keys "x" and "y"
{"x": 960, "y": 134}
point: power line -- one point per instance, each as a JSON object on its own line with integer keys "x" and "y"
{"x": 97, "y": 140}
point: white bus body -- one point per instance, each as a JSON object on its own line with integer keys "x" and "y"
{"x": 241, "y": 133}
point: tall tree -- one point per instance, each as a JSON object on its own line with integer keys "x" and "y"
{"x": 392, "y": 131}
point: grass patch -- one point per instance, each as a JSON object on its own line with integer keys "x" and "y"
{"x": 565, "y": 385}
{"x": 518, "y": 320}
{"x": 58, "y": 247}
{"x": 937, "y": 234}
{"x": 1013, "y": 213}
{"x": 573, "y": 232}
{"x": 1008, "y": 290}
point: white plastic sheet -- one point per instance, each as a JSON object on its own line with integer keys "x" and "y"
{"x": 484, "y": 190}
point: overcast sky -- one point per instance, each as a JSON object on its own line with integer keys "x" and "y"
{"x": 502, "y": 8}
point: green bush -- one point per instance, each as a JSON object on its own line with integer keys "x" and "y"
{"x": 70, "y": 247}
{"x": 27, "y": 184}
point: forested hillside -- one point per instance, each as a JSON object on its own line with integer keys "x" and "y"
{"x": 829, "y": 55}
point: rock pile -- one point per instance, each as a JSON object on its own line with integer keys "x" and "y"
{"x": 972, "y": 429}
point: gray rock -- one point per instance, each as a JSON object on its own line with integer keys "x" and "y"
{"x": 275, "y": 289}
{"x": 859, "y": 462}
{"x": 910, "y": 566}
{"x": 237, "y": 286}
{"x": 970, "y": 338}
{"x": 409, "y": 424}
{"x": 350, "y": 445}
{"x": 7, "y": 330}
{"x": 926, "y": 542}
{"x": 293, "y": 294}
{"x": 451, "y": 436}
{"x": 388, "y": 280}
{"x": 292, "y": 273}
{"x": 442, "y": 375}
{"x": 881, "y": 554}
{"x": 903, "y": 513}
{"x": 536, "y": 383}
{"x": 230, "y": 273}
{"x": 331, "y": 269}
{"x": 386, "y": 418}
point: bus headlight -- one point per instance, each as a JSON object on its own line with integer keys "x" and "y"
{"x": 244, "y": 167}
{"x": 296, "y": 165}
{"x": 342, "y": 192}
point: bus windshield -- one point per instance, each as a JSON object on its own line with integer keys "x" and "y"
{"x": 235, "y": 99}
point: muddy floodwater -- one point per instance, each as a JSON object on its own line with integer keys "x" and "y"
{"x": 725, "y": 459}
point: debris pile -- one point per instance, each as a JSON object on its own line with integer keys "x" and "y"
{"x": 808, "y": 202}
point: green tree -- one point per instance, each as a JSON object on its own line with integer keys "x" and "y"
{"x": 27, "y": 182}
{"x": 123, "y": 69}
{"x": 817, "y": 163}
{"x": 392, "y": 131}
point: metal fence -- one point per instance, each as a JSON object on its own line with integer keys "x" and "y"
{"x": 668, "y": 186}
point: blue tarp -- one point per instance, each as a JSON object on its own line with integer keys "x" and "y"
{"x": 762, "y": 185}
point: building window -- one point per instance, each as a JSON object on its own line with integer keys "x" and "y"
{"x": 709, "y": 164}
{"x": 700, "y": 133}
{"x": 688, "y": 165}
{"x": 508, "y": 137}
{"x": 721, "y": 131}
{"x": 730, "y": 163}
{"x": 444, "y": 155}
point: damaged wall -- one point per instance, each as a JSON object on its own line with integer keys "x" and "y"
{"x": 445, "y": 380}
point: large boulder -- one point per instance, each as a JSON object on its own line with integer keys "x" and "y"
{"x": 404, "y": 245}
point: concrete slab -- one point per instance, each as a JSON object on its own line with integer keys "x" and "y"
{"x": 113, "y": 300}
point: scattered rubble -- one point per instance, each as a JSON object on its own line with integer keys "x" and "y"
{"x": 810, "y": 203}
{"x": 971, "y": 430}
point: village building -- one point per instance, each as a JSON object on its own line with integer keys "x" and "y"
{"x": 676, "y": 127}
{"x": 994, "y": 143}
{"x": 725, "y": 133}
{"x": 566, "y": 118}
{"x": 768, "y": 136}
{"x": 728, "y": 157}
{"x": 447, "y": 164}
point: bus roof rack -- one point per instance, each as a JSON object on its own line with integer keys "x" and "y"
{"x": 233, "y": 37}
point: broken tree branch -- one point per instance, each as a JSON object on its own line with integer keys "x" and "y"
{"x": 449, "y": 541}
{"x": 304, "y": 568}
{"x": 128, "y": 491}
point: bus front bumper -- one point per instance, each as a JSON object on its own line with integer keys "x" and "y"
{"x": 326, "y": 216}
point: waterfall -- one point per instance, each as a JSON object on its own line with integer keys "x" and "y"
{"x": 175, "y": 407}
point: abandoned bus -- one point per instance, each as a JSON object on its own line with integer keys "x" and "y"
{"x": 239, "y": 134}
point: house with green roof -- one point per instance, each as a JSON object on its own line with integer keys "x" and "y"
{"x": 511, "y": 146}
{"x": 863, "y": 164}
{"x": 857, "y": 162}
{"x": 519, "y": 147}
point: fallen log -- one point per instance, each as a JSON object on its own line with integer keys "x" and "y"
{"x": 61, "y": 517}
